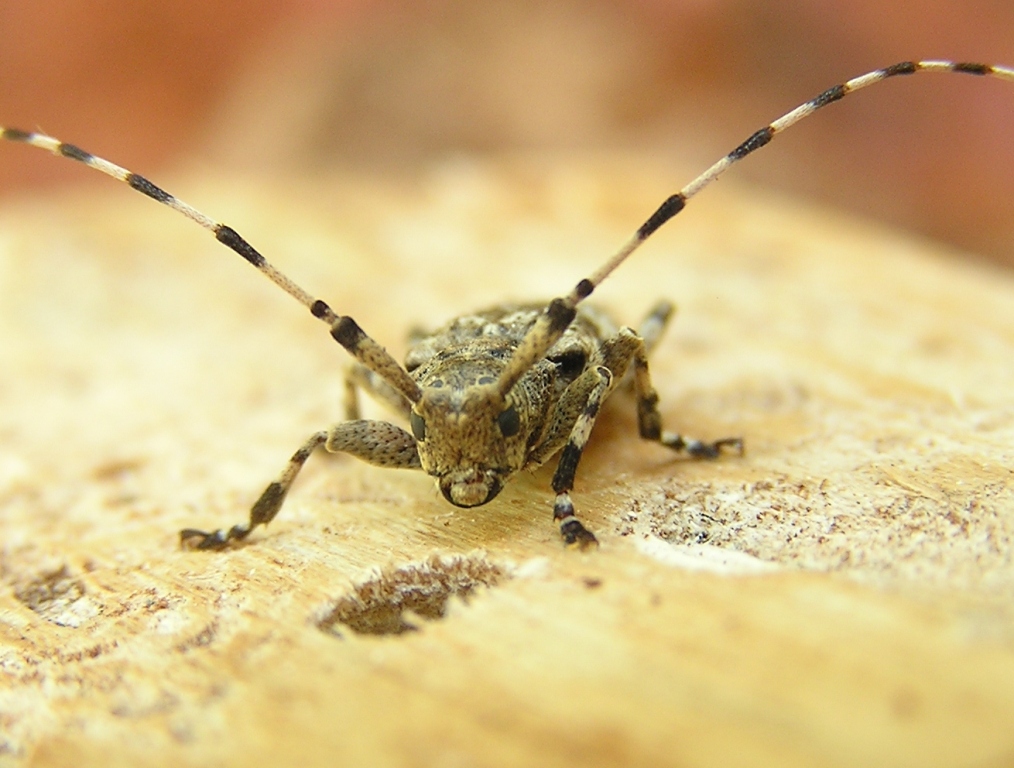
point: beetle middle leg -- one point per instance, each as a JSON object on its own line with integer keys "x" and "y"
{"x": 654, "y": 324}
{"x": 627, "y": 349}
{"x": 359, "y": 377}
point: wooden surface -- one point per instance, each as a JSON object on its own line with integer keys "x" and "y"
{"x": 841, "y": 595}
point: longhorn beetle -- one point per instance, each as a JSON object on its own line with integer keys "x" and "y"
{"x": 490, "y": 394}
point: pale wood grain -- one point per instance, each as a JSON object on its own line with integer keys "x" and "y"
{"x": 851, "y": 604}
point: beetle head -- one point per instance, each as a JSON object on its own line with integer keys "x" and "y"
{"x": 470, "y": 436}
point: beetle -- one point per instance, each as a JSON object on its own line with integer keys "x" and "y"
{"x": 505, "y": 389}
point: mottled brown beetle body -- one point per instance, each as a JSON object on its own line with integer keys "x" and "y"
{"x": 473, "y": 434}
{"x": 475, "y": 439}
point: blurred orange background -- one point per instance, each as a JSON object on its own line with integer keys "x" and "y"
{"x": 306, "y": 85}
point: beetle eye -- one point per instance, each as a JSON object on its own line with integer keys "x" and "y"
{"x": 509, "y": 422}
{"x": 418, "y": 426}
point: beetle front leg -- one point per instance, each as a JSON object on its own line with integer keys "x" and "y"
{"x": 573, "y": 531}
{"x": 375, "y": 442}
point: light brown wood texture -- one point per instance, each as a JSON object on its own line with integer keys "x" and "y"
{"x": 841, "y": 595}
